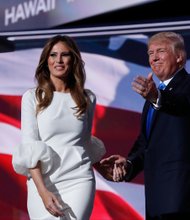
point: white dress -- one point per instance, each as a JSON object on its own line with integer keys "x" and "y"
{"x": 64, "y": 145}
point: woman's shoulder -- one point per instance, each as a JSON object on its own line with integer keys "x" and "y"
{"x": 91, "y": 94}
{"x": 29, "y": 94}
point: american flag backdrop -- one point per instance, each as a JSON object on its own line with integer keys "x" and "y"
{"x": 111, "y": 63}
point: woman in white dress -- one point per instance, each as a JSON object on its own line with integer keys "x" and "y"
{"x": 57, "y": 150}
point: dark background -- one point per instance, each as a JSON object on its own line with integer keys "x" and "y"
{"x": 161, "y": 11}
{"x": 158, "y": 11}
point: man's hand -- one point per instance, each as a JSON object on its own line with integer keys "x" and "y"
{"x": 146, "y": 87}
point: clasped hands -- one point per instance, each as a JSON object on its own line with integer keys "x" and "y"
{"x": 113, "y": 168}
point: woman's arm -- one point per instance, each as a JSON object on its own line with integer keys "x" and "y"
{"x": 49, "y": 199}
{"x": 33, "y": 157}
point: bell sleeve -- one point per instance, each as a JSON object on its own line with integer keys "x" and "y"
{"x": 95, "y": 147}
{"x": 31, "y": 149}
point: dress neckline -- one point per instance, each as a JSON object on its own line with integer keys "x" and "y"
{"x": 64, "y": 93}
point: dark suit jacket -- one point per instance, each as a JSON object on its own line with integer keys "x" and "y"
{"x": 165, "y": 155}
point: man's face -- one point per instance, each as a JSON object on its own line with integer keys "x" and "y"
{"x": 164, "y": 62}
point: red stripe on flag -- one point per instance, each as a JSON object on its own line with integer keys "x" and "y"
{"x": 118, "y": 129}
{"x": 9, "y": 120}
{"x": 10, "y": 109}
{"x": 109, "y": 206}
{"x": 13, "y": 190}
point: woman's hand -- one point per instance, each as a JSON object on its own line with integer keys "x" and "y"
{"x": 51, "y": 203}
{"x": 113, "y": 168}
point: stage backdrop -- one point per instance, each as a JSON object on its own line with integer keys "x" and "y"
{"x": 111, "y": 63}
{"x": 43, "y": 14}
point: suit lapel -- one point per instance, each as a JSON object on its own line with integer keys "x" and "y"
{"x": 174, "y": 83}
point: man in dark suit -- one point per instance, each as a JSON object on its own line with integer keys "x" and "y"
{"x": 162, "y": 148}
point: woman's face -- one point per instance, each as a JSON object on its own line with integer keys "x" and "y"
{"x": 59, "y": 61}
